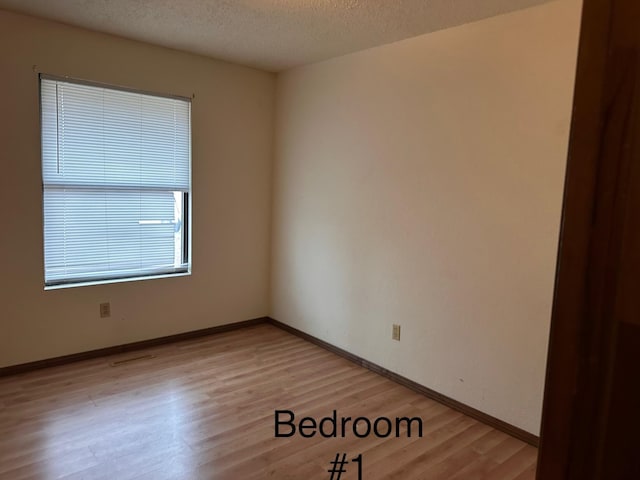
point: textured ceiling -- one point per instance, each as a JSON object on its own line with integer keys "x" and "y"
{"x": 269, "y": 34}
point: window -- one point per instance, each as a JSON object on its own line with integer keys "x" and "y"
{"x": 116, "y": 170}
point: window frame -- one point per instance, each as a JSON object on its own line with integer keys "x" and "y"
{"x": 186, "y": 227}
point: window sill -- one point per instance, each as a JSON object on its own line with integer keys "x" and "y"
{"x": 115, "y": 280}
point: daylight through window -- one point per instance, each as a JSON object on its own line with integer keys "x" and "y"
{"x": 116, "y": 169}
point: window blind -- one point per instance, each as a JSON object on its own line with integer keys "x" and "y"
{"x": 116, "y": 182}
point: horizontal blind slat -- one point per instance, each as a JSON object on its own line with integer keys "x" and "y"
{"x": 114, "y": 138}
{"x": 115, "y": 165}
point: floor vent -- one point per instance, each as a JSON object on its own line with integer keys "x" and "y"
{"x": 124, "y": 361}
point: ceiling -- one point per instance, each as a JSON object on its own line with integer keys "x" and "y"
{"x": 272, "y": 35}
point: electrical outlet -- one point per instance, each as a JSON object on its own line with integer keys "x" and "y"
{"x": 395, "y": 334}
{"x": 105, "y": 310}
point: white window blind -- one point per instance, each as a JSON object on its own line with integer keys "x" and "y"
{"x": 116, "y": 169}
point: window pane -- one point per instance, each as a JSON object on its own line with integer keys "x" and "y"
{"x": 99, "y": 136}
{"x": 116, "y": 168}
{"x": 102, "y": 234}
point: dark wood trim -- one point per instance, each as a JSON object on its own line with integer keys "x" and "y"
{"x": 128, "y": 347}
{"x": 416, "y": 387}
{"x": 576, "y": 302}
{"x": 589, "y": 292}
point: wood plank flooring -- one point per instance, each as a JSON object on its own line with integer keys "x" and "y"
{"x": 204, "y": 409}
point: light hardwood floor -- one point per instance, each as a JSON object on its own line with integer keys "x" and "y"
{"x": 204, "y": 409}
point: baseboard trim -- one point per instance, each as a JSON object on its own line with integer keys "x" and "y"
{"x": 128, "y": 347}
{"x": 416, "y": 387}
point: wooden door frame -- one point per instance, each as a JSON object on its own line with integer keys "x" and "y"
{"x": 581, "y": 344}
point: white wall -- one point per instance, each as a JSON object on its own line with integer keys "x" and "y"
{"x": 420, "y": 183}
{"x": 232, "y": 117}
